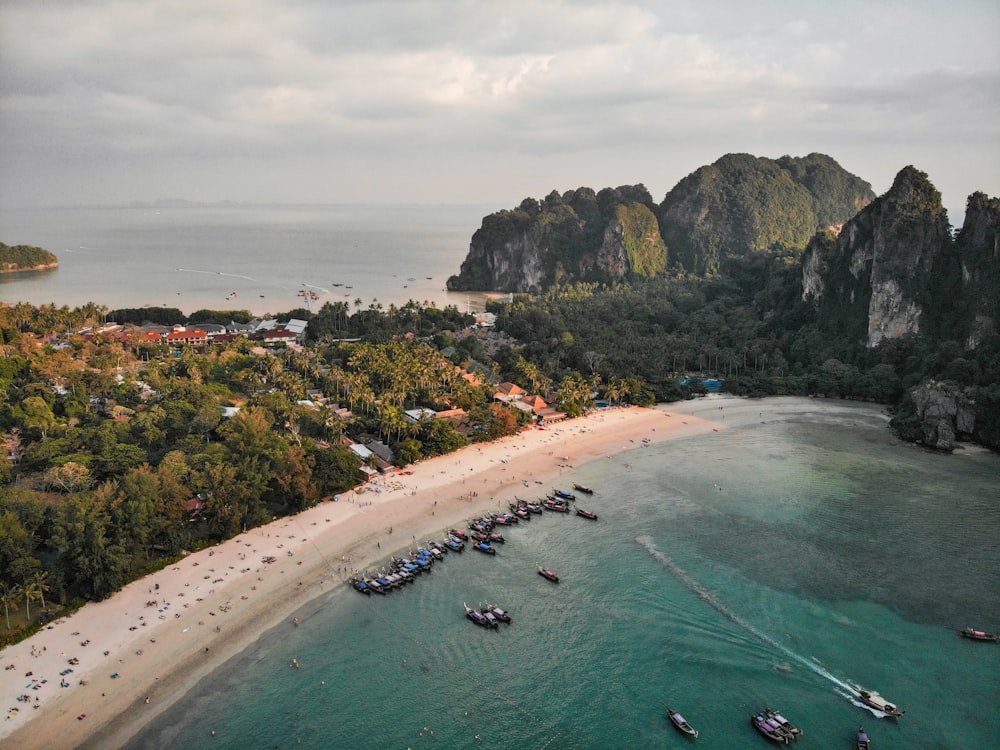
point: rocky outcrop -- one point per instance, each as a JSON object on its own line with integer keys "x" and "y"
{"x": 937, "y": 415}
{"x": 871, "y": 278}
{"x": 576, "y": 236}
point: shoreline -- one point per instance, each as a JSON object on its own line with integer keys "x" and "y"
{"x": 215, "y": 603}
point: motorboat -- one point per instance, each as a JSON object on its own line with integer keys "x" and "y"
{"x": 680, "y": 722}
{"x": 978, "y": 635}
{"x": 876, "y": 701}
{"x": 550, "y": 574}
{"x": 863, "y": 741}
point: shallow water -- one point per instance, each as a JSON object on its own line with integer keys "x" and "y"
{"x": 778, "y": 565}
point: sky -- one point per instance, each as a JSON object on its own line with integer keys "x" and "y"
{"x": 410, "y": 101}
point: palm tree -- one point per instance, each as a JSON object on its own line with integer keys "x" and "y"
{"x": 39, "y": 581}
{"x": 29, "y": 592}
{"x": 9, "y": 594}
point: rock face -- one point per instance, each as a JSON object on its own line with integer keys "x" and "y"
{"x": 742, "y": 204}
{"x": 576, "y": 236}
{"x": 936, "y": 415}
{"x": 870, "y": 280}
{"x": 978, "y": 254}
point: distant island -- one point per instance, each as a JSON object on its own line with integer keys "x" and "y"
{"x": 16, "y": 258}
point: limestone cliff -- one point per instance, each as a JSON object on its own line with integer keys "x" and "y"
{"x": 577, "y": 236}
{"x": 978, "y": 250}
{"x": 870, "y": 280}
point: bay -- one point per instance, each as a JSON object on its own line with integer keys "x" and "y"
{"x": 257, "y": 258}
{"x": 784, "y": 563}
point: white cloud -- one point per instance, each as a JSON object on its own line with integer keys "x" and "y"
{"x": 194, "y": 98}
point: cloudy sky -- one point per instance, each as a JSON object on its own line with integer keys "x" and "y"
{"x": 110, "y": 101}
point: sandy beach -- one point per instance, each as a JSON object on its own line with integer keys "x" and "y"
{"x": 95, "y": 678}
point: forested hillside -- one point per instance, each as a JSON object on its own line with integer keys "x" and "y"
{"x": 25, "y": 258}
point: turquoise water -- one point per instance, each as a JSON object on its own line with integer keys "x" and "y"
{"x": 778, "y": 565}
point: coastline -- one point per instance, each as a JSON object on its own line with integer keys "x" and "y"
{"x": 214, "y": 603}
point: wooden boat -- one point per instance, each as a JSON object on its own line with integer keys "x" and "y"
{"x": 500, "y": 614}
{"x": 978, "y": 635}
{"x": 769, "y": 729}
{"x": 863, "y": 742}
{"x": 876, "y": 701}
{"x": 484, "y": 547}
{"x": 783, "y": 723}
{"x": 550, "y": 574}
{"x": 495, "y": 537}
{"x": 584, "y": 490}
{"x": 459, "y": 534}
{"x": 558, "y": 506}
{"x": 680, "y": 722}
{"x": 563, "y": 495}
{"x": 478, "y": 617}
{"x": 586, "y": 514}
{"x": 360, "y": 586}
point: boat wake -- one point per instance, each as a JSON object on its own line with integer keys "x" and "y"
{"x": 717, "y": 604}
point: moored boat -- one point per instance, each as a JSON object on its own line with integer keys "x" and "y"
{"x": 478, "y": 617}
{"x": 862, "y": 739}
{"x": 550, "y": 574}
{"x": 551, "y": 503}
{"x": 484, "y": 547}
{"x": 978, "y": 635}
{"x": 586, "y": 514}
{"x": 360, "y": 586}
{"x": 459, "y": 534}
{"x": 681, "y": 723}
{"x": 563, "y": 495}
{"x": 500, "y": 614}
{"x": 769, "y": 729}
{"x": 876, "y": 701}
{"x": 787, "y": 726}
{"x": 584, "y": 490}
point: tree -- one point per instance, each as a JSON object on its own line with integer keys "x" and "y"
{"x": 30, "y": 591}
{"x": 9, "y": 597}
{"x": 69, "y": 477}
{"x": 91, "y": 562}
{"x": 41, "y": 586}
{"x": 38, "y": 416}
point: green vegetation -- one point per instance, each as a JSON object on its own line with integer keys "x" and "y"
{"x": 24, "y": 258}
{"x": 745, "y": 204}
{"x": 119, "y": 458}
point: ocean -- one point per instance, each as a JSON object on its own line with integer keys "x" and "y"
{"x": 784, "y": 564}
{"x": 256, "y": 258}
